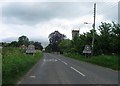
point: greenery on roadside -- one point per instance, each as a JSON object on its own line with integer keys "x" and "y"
{"x": 106, "y": 51}
{"x": 16, "y": 64}
{"x": 106, "y": 40}
{"x": 23, "y": 41}
{"x": 102, "y": 60}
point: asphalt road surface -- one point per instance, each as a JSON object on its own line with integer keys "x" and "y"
{"x": 57, "y": 69}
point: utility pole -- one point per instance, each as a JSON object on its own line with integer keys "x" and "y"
{"x": 93, "y": 38}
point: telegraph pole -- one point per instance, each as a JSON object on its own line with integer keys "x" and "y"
{"x": 93, "y": 38}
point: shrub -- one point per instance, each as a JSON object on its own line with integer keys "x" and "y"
{"x": 16, "y": 64}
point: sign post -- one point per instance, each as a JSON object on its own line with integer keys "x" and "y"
{"x": 87, "y": 50}
{"x": 30, "y": 49}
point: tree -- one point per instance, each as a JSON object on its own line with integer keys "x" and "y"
{"x": 65, "y": 46}
{"x": 38, "y": 45}
{"x": 5, "y": 44}
{"x": 54, "y": 39}
{"x": 105, "y": 37}
{"x": 115, "y": 38}
{"x": 48, "y": 48}
{"x": 31, "y": 42}
{"x": 78, "y": 43}
{"x": 23, "y": 40}
{"x": 107, "y": 41}
{"x": 14, "y": 44}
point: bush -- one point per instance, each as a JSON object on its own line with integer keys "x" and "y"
{"x": 16, "y": 64}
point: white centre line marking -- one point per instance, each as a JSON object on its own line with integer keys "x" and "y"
{"x": 77, "y": 71}
{"x": 56, "y": 60}
{"x": 64, "y": 63}
{"x": 32, "y": 76}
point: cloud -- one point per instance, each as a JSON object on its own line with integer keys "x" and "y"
{"x": 42, "y": 30}
{"x": 33, "y": 13}
{"x": 38, "y": 19}
{"x": 27, "y": 13}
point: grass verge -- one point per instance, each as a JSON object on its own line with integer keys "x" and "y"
{"x": 102, "y": 60}
{"x": 15, "y": 64}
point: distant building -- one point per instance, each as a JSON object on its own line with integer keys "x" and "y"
{"x": 75, "y": 33}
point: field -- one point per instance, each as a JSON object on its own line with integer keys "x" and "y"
{"x": 102, "y": 60}
{"x": 16, "y": 63}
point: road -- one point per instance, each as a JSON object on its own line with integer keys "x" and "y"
{"x": 57, "y": 69}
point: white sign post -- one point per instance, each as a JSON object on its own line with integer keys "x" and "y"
{"x": 87, "y": 50}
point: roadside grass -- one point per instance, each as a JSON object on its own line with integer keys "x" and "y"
{"x": 102, "y": 60}
{"x": 15, "y": 64}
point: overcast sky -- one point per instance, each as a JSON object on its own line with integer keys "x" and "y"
{"x": 37, "y": 20}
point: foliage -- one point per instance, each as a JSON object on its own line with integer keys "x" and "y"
{"x": 16, "y": 64}
{"x": 14, "y": 44}
{"x": 48, "y": 48}
{"x": 106, "y": 41}
{"x": 65, "y": 45}
{"x": 116, "y": 38}
{"x": 109, "y": 38}
{"x": 38, "y": 46}
{"x": 23, "y": 40}
{"x": 110, "y": 61}
{"x": 54, "y": 38}
{"x": 105, "y": 31}
{"x": 5, "y": 44}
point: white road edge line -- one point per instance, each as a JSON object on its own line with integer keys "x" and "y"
{"x": 77, "y": 71}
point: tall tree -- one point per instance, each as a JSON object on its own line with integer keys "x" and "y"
{"x": 48, "y": 48}
{"x": 54, "y": 38}
{"x": 116, "y": 38}
{"x": 65, "y": 45}
{"x": 23, "y": 40}
{"x": 38, "y": 45}
{"x": 104, "y": 39}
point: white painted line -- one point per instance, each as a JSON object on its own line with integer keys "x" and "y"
{"x": 77, "y": 71}
{"x": 44, "y": 60}
{"x": 32, "y": 76}
{"x": 56, "y": 60}
{"x": 64, "y": 63}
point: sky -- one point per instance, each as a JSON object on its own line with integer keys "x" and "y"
{"x": 36, "y": 19}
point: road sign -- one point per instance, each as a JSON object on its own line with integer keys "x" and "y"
{"x": 87, "y": 49}
{"x": 30, "y": 49}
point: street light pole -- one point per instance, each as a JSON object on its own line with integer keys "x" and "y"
{"x": 93, "y": 38}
